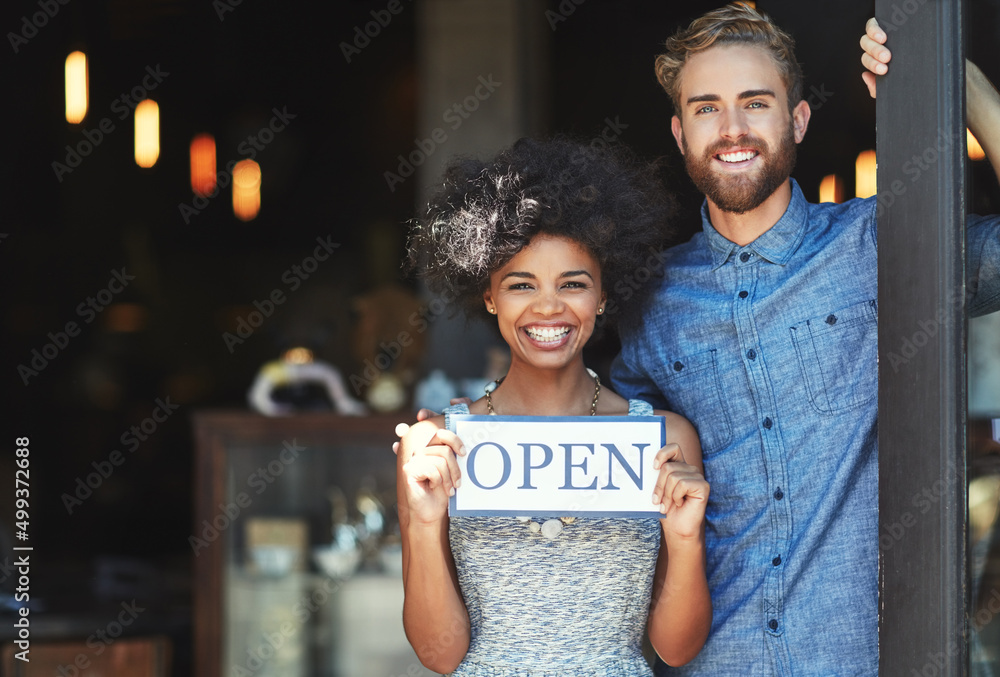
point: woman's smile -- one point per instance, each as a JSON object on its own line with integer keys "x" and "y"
{"x": 546, "y": 299}
{"x": 548, "y": 336}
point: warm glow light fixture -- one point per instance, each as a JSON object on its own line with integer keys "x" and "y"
{"x": 76, "y": 87}
{"x": 298, "y": 355}
{"x": 126, "y": 317}
{"x": 246, "y": 190}
{"x": 147, "y": 133}
{"x": 831, "y": 189}
{"x": 864, "y": 174}
{"x": 203, "y": 164}
{"x": 976, "y": 151}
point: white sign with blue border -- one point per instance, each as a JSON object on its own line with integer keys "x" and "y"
{"x": 559, "y": 466}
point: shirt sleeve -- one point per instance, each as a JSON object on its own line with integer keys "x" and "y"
{"x": 982, "y": 260}
{"x": 634, "y": 383}
{"x": 872, "y": 204}
{"x": 982, "y": 247}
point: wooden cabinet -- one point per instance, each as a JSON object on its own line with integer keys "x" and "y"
{"x": 297, "y": 562}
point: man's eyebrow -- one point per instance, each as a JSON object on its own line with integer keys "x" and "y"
{"x": 748, "y": 94}
{"x": 702, "y": 98}
{"x": 751, "y": 93}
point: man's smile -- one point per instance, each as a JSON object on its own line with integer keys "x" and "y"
{"x": 737, "y": 156}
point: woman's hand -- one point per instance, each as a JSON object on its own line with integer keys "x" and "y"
{"x": 681, "y": 492}
{"x": 430, "y": 471}
{"x": 422, "y": 415}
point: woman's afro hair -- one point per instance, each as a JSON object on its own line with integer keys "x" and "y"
{"x": 486, "y": 212}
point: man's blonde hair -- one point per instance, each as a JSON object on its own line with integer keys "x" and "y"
{"x": 734, "y": 24}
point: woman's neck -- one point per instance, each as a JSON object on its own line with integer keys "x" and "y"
{"x": 525, "y": 391}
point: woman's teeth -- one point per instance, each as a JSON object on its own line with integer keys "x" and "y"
{"x": 547, "y": 333}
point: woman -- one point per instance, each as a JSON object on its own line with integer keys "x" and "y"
{"x": 537, "y": 238}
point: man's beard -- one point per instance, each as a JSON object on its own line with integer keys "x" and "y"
{"x": 741, "y": 194}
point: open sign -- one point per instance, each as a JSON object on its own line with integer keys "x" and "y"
{"x": 585, "y": 466}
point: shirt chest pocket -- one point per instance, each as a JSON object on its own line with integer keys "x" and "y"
{"x": 838, "y": 356}
{"x": 692, "y": 388}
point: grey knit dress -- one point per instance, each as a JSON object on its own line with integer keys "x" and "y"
{"x": 574, "y": 604}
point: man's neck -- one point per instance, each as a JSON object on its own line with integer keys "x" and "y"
{"x": 745, "y": 228}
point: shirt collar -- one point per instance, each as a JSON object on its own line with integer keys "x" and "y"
{"x": 776, "y": 244}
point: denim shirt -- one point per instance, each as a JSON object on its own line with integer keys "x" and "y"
{"x": 770, "y": 350}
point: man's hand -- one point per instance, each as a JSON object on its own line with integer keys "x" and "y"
{"x": 875, "y": 55}
{"x": 982, "y": 102}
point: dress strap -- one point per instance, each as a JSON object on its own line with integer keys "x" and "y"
{"x": 454, "y": 409}
{"x": 639, "y": 408}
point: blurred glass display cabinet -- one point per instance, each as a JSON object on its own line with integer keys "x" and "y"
{"x": 296, "y": 543}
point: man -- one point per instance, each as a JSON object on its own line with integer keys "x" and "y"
{"x": 763, "y": 334}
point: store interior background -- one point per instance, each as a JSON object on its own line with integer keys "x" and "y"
{"x": 228, "y": 68}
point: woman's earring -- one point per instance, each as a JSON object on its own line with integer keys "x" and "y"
{"x": 492, "y": 311}
{"x": 600, "y": 310}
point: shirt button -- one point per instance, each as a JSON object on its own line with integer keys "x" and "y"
{"x": 752, "y": 354}
{"x": 778, "y": 494}
{"x": 744, "y": 257}
{"x": 831, "y": 319}
{"x": 773, "y": 624}
{"x": 678, "y": 366}
{"x": 768, "y": 423}
{"x": 776, "y": 561}
{"x": 744, "y": 294}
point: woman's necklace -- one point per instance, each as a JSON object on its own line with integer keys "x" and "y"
{"x": 493, "y": 386}
{"x": 552, "y": 527}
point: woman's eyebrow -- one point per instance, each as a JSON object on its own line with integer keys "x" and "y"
{"x": 531, "y": 276}
{"x": 515, "y": 273}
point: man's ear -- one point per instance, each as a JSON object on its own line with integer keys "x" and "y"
{"x": 800, "y": 120}
{"x": 675, "y": 127}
